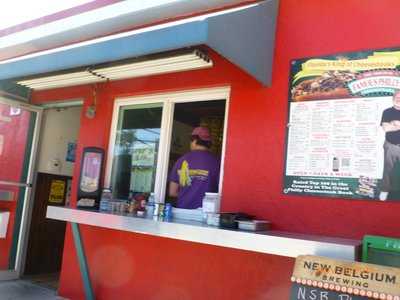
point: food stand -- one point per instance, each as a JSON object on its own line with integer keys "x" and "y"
{"x": 185, "y": 261}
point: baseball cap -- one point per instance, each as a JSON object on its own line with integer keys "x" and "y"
{"x": 203, "y": 133}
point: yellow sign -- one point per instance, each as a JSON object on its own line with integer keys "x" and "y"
{"x": 377, "y": 61}
{"x": 382, "y": 62}
{"x": 57, "y": 191}
{"x": 348, "y": 276}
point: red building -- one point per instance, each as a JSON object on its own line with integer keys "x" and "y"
{"x": 127, "y": 265}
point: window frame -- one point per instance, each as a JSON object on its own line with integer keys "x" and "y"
{"x": 168, "y": 101}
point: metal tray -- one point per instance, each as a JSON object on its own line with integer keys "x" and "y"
{"x": 254, "y": 225}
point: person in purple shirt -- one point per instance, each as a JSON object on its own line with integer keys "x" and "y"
{"x": 196, "y": 172}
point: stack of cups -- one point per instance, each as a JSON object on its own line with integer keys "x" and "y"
{"x": 211, "y": 204}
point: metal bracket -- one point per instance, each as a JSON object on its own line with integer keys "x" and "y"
{"x": 83, "y": 266}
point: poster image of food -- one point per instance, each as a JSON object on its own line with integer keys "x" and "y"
{"x": 91, "y": 172}
{"x": 343, "y": 132}
{"x": 143, "y": 155}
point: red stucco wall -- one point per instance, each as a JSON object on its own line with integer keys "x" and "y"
{"x": 134, "y": 266}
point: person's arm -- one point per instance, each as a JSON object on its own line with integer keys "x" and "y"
{"x": 391, "y": 126}
{"x": 173, "y": 189}
{"x": 215, "y": 177}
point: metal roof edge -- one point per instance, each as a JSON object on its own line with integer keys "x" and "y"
{"x": 170, "y": 38}
{"x": 245, "y": 37}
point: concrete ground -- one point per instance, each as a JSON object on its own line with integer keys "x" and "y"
{"x": 26, "y": 290}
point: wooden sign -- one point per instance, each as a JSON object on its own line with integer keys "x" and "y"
{"x": 321, "y": 278}
{"x": 57, "y": 191}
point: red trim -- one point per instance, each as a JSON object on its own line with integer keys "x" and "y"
{"x": 57, "y": 16}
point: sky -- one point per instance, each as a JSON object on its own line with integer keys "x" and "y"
{"x": 19, "y": 11}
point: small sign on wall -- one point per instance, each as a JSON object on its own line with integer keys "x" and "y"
{"x": 4, "y": 217}
{"x": 1, "y": 144}
{"x": 15, "y": 111}
{"x": 321, "y": 278}
{"x": 57, "y": 191}
{"x": 71, "y": 152}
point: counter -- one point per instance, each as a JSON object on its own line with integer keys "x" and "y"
{"x": 269, "y": 242}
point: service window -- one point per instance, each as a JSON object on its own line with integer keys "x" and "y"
{"x": 150, "y": 133}
{"x": 136, "y": 149}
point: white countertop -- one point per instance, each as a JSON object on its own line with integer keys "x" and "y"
{"x": 270, "y": 242}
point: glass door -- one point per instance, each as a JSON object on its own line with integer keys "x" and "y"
{"x": 19, "y": 126}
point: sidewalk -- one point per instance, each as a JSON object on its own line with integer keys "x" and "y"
{"x": 26, "y": 290}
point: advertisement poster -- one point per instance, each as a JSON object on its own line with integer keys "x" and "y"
{"x": 143, "y": 155}
{"x": 71, "y": 152}
{"x": 343, "y": 131}
{"x": 57, "y": 190}
{"x": 91, "y": 172}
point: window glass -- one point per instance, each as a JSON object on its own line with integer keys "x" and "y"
{"x": 136, "y": 149}
{"x": 146, "y": 158}
{"x": 187, "y": 116}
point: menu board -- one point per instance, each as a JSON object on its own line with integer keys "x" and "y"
{"x": 335, "y": 132}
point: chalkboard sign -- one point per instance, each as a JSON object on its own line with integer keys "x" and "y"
{"x": 304, "y": 292}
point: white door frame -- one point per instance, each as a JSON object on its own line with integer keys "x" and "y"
{"x": 27, "y": 208}
{"x": 168, "y": 100}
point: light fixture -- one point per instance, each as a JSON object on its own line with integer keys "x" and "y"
{"x": 180, "y": 62}
{"x": 61, "y": 80}
{"x": 176, "y": 61}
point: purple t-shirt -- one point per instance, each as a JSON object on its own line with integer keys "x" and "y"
{"x": 196, "y": 172}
